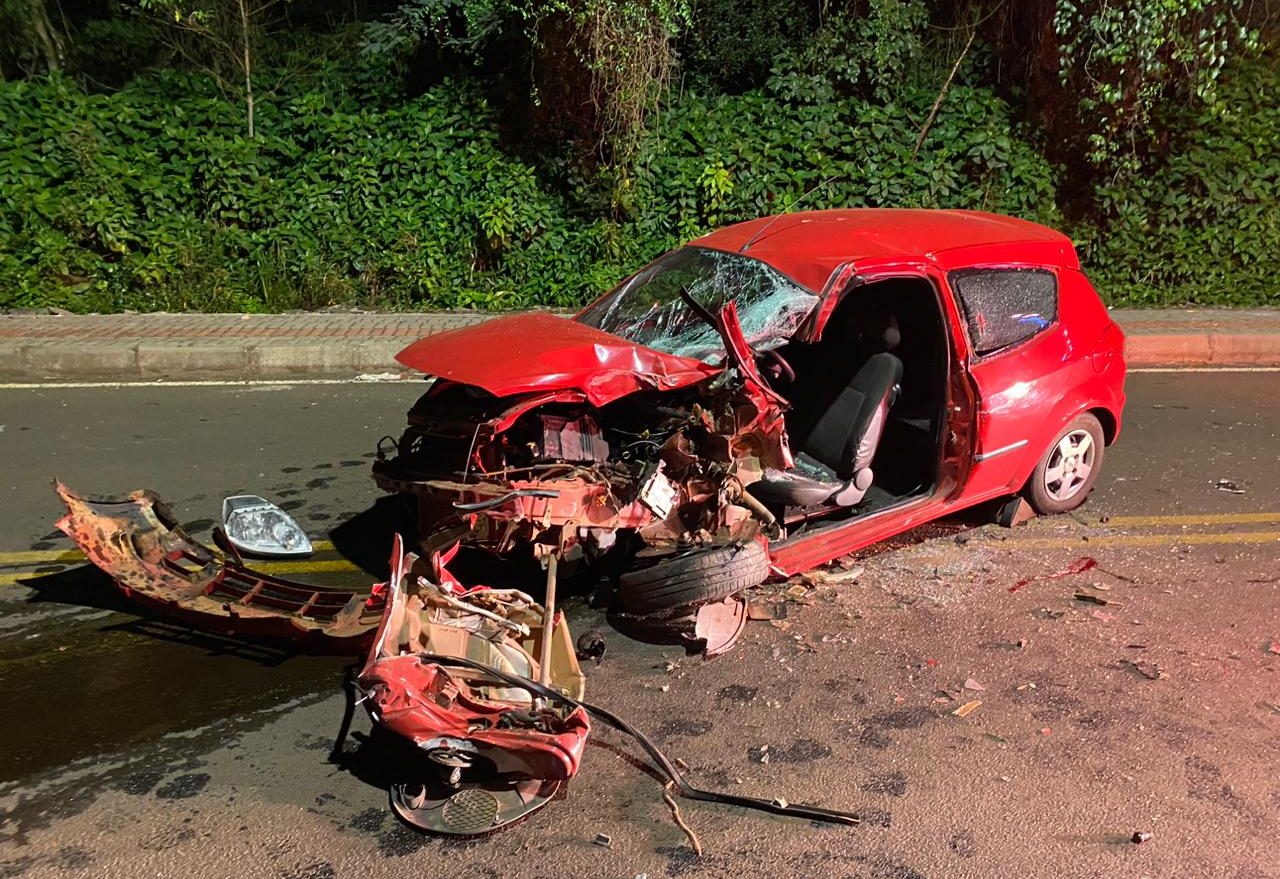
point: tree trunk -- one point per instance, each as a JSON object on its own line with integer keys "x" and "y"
{"x": 43, "y": 37}
{"x": 246, "y": 31}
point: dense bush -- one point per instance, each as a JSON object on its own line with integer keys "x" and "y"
{"x": 153, "y": 197}
{"x": 724, "y": 159}
{"x": 1202, "y": 225}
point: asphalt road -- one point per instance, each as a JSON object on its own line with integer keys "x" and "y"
{"x": 135, "y": 749}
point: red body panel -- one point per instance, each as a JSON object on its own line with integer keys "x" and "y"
{"x": 422, "y": 701}
{"x": 407, "y": 706}
{"x": 1014, "y": 402}
{"x": 542, "y": 352}
{"x": 809, "y": 246}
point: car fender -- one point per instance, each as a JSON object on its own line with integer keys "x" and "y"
{"x": 1096, "y": 392}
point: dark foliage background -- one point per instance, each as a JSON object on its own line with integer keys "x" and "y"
{"x": 231, "y": 155}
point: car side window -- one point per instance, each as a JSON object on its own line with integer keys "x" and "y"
{"x": 1003, "y": 307}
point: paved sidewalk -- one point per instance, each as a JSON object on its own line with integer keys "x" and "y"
{"x": 175, "y": 347}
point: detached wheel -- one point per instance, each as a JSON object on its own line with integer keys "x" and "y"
{"x": 706, "y": 575}
{"x": 1066, "y": 474}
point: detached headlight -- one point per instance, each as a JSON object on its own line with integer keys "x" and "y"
{"x": 259, "y": 527}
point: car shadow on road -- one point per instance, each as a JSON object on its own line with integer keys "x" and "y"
{"x": 365, "y": 538}
{"x": 88, "y": 587}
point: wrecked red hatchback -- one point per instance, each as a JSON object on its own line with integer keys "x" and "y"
{"x": 768, "y": 398}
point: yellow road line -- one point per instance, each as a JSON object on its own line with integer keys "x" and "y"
{"x": 332, "y": 566}
{"x": 1143, "y": 540}
{"x": 72, "y": 556}
{"x": 1194, "y": 519}
{"x": 278, "y": 568}
{"x": 34, "y": 557}
{"x": 312, "y": 567}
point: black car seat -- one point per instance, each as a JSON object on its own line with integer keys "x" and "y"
{"x": 833, "y": 464}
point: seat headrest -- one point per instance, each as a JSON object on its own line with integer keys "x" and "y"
{"x": 892, "y": 335}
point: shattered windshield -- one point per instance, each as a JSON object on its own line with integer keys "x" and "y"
{"x": 648, "y": 309}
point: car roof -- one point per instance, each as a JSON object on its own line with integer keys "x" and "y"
{"x": 809, "y": 245}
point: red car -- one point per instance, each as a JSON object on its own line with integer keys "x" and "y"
{"x": 768, "y": 398}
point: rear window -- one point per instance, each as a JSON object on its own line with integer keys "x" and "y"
{"x": 1003, "y": 307}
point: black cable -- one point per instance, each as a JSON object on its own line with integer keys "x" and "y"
{"x": 777, "y": 807}
{"x": 480, "y": 506}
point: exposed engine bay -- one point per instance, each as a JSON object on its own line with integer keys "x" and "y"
{"x": 654, "y": 472}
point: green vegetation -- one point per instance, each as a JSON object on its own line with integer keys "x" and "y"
{"x": 228, "y": 156}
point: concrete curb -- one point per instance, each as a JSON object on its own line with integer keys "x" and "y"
{"x": 1203, "y": 349}
{"x": 176, "y": 360}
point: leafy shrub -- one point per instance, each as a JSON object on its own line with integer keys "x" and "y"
{"x": 1202, "y": 225}
{"x": 723, "y": 159}
{"x": 736, "y": 43}
{"x": 152, "y": 198}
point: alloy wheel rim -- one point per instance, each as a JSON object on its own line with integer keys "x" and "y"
{"x": 1070, "y": 464}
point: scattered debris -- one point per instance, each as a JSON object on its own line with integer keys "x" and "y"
{"x": 603, "y": 840}
{"x": 766, "y": 610}
{"x": 1140, "y": 836}
{"x": 819, "y": 577}
{"x": 1015, "y": 512}
{"x": 694, "y": 842}
{"x": 1079, "y": 566}
{"x": 968, "y": 708}
{"x": 1148, "y": 670}
{"x": 419, "y": 684}
{"x": 1103, "y": 616}
{"x": 1027, "y": 686}
{"x": 591, "y": 646}
{"x": 973, "y": 684}
{"x": 1229, "y": 486}
{"x": 1087, "y": 598}
{"x": 1020, "y": 644}
{"x": 1274, "y": 647}
{"x": 258, "y": 527}
{"x": 992, "y": 737}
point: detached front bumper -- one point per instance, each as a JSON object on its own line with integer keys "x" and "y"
{"x": 137, "y": 541}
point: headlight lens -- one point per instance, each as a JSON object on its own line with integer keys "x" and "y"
{"x": 259, "y": 527}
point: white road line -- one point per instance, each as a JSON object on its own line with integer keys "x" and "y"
{"x": 211, "y": 383}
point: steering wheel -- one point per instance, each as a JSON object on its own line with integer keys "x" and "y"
{"x": 785, "y": 371}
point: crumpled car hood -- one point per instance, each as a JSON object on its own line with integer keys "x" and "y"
{"x": 541, "y": 352}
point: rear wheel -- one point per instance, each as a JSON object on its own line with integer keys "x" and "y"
{"x": 705, "y": 575}
{"x": 1067, "y": 472}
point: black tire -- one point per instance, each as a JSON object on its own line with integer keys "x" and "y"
{"x": 1039, "y": 492}
{"x": 706, "y": 575}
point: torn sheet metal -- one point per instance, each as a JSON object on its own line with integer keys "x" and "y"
{"x": 490, "y": 752}
{"x": 139, "y": 544}
{"x": 543, "y": 352}
{"x": 709, "y": 629}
